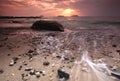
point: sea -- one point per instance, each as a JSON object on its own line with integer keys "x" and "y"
{"x": 72, "y": 23}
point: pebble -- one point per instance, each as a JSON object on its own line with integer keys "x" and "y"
{"x": 20, "y": 67}
{"x": 1, "y": 71}
{"x": 46, "y": 63}
{"x": 32, "y": 72}
{"x": 12, "y": 63}
{"x": 28, "y": 69}
{"x": 37, "y": 74}
{"x": 53, "y": 65}
{"x": 63, "y": 74}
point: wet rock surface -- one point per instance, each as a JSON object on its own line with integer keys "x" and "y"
{"x": 47, "y": 25}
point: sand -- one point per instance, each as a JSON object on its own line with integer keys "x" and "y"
{"x": 60, "y": 50}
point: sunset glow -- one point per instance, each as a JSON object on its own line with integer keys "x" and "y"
{"x": 59, "y": 7}
{"x": 68, "y": 12}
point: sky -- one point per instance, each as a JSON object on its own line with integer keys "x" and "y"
{"x": 60, "y": 7}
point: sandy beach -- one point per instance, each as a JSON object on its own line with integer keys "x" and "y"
{"x": 27, "y": 55}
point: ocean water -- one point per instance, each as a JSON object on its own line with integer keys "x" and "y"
{"x": 74, "y": 23}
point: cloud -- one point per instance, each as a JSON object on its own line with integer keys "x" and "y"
{"x": 98, "y": 7}
{"x": 53, "y": 7}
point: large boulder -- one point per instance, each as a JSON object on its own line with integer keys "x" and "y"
{"x": 47, "y": 25}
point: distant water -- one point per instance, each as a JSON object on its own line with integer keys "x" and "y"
{"x": 75, "y": 23}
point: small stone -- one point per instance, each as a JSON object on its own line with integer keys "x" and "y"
{"x": 65, "y": 58}
{"x": 37, "y": 74}
{"x": 15, "y": 58}
{"x": 114, "y": 45}
{"x": 12, "y": 63}
{"x": 1, "y": 45}
{"x": 20, "y": 68}
{"x": 115, "y": 75}
{"x": 30, "y": 51}
{"x": 59, "y": 57}
{"x": 8, "y": 54}
{"x": 53, "y": 65}
{"x": 32, "y": 72}
{"x": 28, "y": 69}
{"x": 1, "y": 71}
{"x": 63, "y": 75}
{"x": 41, "y": 72}
{"x": 12, "y": 74}
{"x": 46, "y": 63}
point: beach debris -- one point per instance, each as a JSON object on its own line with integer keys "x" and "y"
{"x": 46, "y": 63}
{"x": 62, "y": 74}
{"x": 47, "y": 25}
{"x": 1, "y": 71}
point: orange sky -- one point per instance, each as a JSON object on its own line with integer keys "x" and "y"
{"x": 38, "y": 7}
{"x": 60, "y": 7}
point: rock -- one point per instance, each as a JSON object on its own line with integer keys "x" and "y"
{"x": 28, "y": 69}
{"x": 47, "y": 25}
{"x": 13, "y": 61}
{"x": 20, "y": 68}
{"x": 116, "y": 75}
{"x": 46, "y": 63}
{"x": 37, "y": 74}
{"x": 30, "y": 51}
{"x": 59, "y": 57}
{"x": 114, "y": 45}
{"x": 8, "y": 54}
{"x": 1, "y": 45}
{"x": 32, "y": 72}
{"x": 15, "y": 58}
{"x": 42, "y": 72}
{"x": 25, "y": 77}
{"x": 118, "y": 51}
{"x": 1, "y": 71}
{"x": 63, "y": 75}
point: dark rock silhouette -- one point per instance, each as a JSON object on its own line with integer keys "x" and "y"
{"x": 47, "y": 25}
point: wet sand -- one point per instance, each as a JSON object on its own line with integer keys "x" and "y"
{"x": 27, "y": 55}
